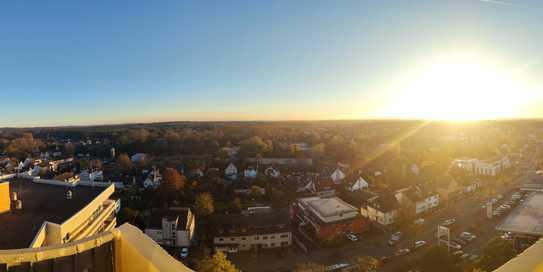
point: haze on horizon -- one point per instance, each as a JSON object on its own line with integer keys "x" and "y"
{"x": 85, "y": 63}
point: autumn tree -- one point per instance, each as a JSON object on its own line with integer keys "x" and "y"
{"x": 437, "y": 259}
{"x": 204, "y": 204}
{"x": 172, "y": 183}
{"x": 24, "y": 146}
{"x": 309, "y": 267}
{"x": 255, "y": 146}
{"x": 236, "y": 205}
{"x": 216, "y": 263}
{"x": 124, "y": 162}
{"x": 495, "y": 253}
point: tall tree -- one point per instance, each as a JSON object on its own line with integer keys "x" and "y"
{"x": 216, "y": 263}
{"x": 172, "y": 182}
{"x": 437, "y": 259}
{"x": 495, "y": 253}
{"x": 124, "y": 162}
{"x": 24, "y": 146}
{"x": 204, "y": 204}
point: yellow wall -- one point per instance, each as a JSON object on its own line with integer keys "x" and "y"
{"x": 4, "y": 197}
{"x": 134, "y": 251}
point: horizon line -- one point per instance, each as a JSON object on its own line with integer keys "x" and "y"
{"x": 271, "y": 121}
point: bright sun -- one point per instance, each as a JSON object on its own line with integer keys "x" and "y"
{"x": 457, "y": 88}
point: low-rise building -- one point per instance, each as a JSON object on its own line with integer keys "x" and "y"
{"x": 172, "y": 227}
{"x": 261, "y": 228}
{"x": 327, "y": 218}
{"x": 488, "y": 167}
{"x": 417, "y": 200}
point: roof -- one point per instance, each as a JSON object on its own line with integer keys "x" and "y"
{"x": 327, "y": 207}
{"x": 385, "y": 203}
{"x": 266, "y": 221}
{"x": 155, "y": 221}
{"x": 40, "y": 202}
{"x": 526, "y": 218}
{"x": 359, "y": 198}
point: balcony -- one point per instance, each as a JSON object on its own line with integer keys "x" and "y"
{"x": 122, "y": 249}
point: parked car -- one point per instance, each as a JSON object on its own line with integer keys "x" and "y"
{"x": 458, "y": 253}
{"x": 403, "y": 251}
{"x": 420, "y": 243}
{"x": 396, "y": 236}
{"x": 385, "y": 259}
{"x": 419, "y": 222}
{"x": 466, "y": 236}
{"x": 455, "y": 245}
{"x": 351, "y": 237}
{"x": 474, "y": 257}
{"x": 392, "y": 242}
{"x": 184, "y": 252}
{"x": 506, "y": 236}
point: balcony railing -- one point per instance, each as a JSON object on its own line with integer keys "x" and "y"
{"x": 122, "y": 249}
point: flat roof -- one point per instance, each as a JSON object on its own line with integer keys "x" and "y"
{"x": 40, "y": 203}
{"x": 527, "y": 218}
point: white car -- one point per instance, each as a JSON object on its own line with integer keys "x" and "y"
{"x": 396, "y": 236}
{"x": 468, "y": 237}
{"x": 184, "y": 252}
{"x": 455, "y": 245}
{"x": 351, "y": 237}
{"x": 420, "y": 243}
{"x": 419, "y": 222}
{"x": 403, "y": 251}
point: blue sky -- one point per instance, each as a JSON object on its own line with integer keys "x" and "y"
{"x": 94, "y": 62}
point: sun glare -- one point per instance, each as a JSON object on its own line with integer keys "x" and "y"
{"x": 458, "y": 89}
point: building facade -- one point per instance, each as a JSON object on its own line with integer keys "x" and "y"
{"x": 173, "y": 227}
{"x": 252, "y": 230}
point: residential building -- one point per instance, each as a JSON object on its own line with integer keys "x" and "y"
{"x": 231, "y": 171}
{"x": 260, "y": 228}
{"x": 43, "y": 213}
{"x": 327, "y": 218}
{"x": 488, "y": 167}
{"x": 172, "y": 227}
{"x": 380, "y": 209}
{"x": 417, "y": 200}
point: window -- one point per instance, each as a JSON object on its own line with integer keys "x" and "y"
{"x": 272, "y": 244}
{"x": 221, "y": 239}
{"x": 232, "y": 239}
{"x": 243, "y": 238}
{"x": 257, "y": 238}
{"x": 284, "y": 235}
{"x": 265, "y": 237}
{"x": 272, "y": 237}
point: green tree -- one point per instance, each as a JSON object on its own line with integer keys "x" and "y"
{"x": 204, "y": 204}
{"x": 124, "y": 162}
{"x": 216, "y": 263}
{"x": 254, "y": 146}
{"x": 437, "y": 259}
{"x": 495, "y": 253}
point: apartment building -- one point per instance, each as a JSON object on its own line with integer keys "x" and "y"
{"x": 172, "y": 227}
{"x": 40, "y": 214}
{"x": 261, "y": 228}
{"x": 417, "y": 200}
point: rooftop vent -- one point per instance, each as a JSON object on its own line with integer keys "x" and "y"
{"x": 69, "y": 194}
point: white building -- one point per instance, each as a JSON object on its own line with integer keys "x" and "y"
{"x": 337, "y": 176}
{"x": 417, "y": 200}
{"x": 490, "y": 167}
{"x": 272, "y": 172}
{"x": 359, "y": 184}
{"x": 173, "y": 227}
{"x": 250, "y": 173}
{"x": 255, "y": 229}
{"x": 231, "y": 171}
{"x": 153, "y": 180}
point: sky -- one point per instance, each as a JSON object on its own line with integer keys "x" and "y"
{"x": 102, "y": 62}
